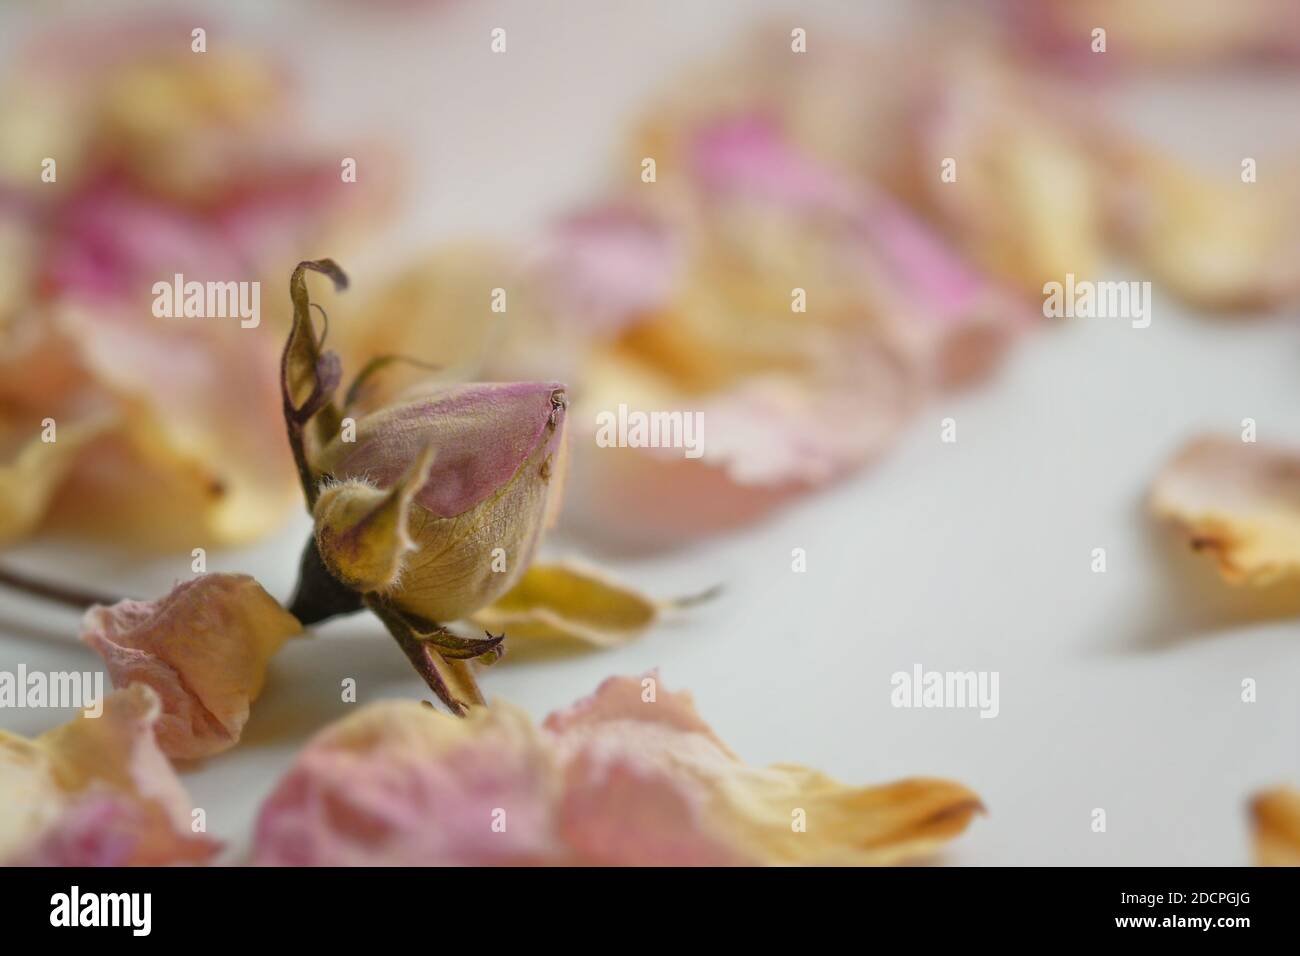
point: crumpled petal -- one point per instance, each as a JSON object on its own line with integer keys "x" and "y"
{"x": 566, "y": 603}
{"x": 96, "y": 792}
{"x": 204, "y": 650}
{"x": 167, "y": 163}
{"x": 950, "y": 319}
{"x": 624, "y": 777}
{"x": 1239, "y": 501}
{"x": 1275, "y": 815}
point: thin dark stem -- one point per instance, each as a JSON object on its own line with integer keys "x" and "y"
{"x": 70, "y": 597}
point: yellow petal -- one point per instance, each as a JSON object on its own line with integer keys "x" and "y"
{"x": 29, "y": 481}
{"x": 1220, "y": 244}
{"x": 564, "y": 602}
{"x": 96, "y": 791}
{"x": 1239, "y": 501}
{"x": 1275, "y": 815}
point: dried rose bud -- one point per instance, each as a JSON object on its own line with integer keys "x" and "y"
{"x": 428, "y": 507}
{"x": 440, "y": 500}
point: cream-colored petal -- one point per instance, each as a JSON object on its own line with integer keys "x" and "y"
{"x": 29, "y": 481}
{"x": 1238, "y": 501}
{"x": 97, "y": 791}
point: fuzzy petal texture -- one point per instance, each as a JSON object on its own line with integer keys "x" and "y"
{"x": 630, "y": 776}
{"x": 1275, "y": 816}
{"x": 1238, "y": 501}
{"x": 204, "y": 648}
{"x": 96, "y": 792}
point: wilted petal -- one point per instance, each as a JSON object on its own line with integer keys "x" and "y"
{"x": 1026, "y": 202}
{"x": 169, "y": 163}
{"x": 626, "y": 777}
{"x": 766, "y": 440}
{"x": 1275, "y": 815}
{"x": 397, "y": 783}
{"x": 568, "y": 603}
{"x": 203, "y": 648}
{"x": 638, "y": 770}
{"x": 1223, "y": 246}
{"x": 608, "y": 266}
{"x": 1240, "y": 501}
{"x": 1155, "y": 32}
{"x": 29, "y": 481}
{"x": 954, "y": 322}
{"x": 96, "y": 792}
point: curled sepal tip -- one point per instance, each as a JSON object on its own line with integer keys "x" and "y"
{"x": 309, "y": 376}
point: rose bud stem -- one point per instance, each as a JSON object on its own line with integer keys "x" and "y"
{"x": 318, "y": 595}
{"x": 69, "y": 597}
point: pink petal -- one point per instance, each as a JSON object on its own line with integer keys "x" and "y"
{"x": 100, "y": 792}
{"x": 203, "y": 648}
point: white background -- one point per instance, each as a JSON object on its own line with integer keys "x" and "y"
{"x": 1118, "y": 690}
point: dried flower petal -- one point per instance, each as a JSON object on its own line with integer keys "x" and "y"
{"x": 630, "y": 776}
{"x": 1275, "y": 815}
{"x": 568, "y": 603}
{"x": 1240, "y": 501}
{"x": 203, "y": 648}
{"x": 397, "y": 783}
{"x": 96, "y": 792}
{"x": 1026, "y": 207}
{"x": 31, "y": 478}
{"x": 1160, "y": 32}
{"x": 1224, "y": 246}
{"x": 168, "y": 163}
